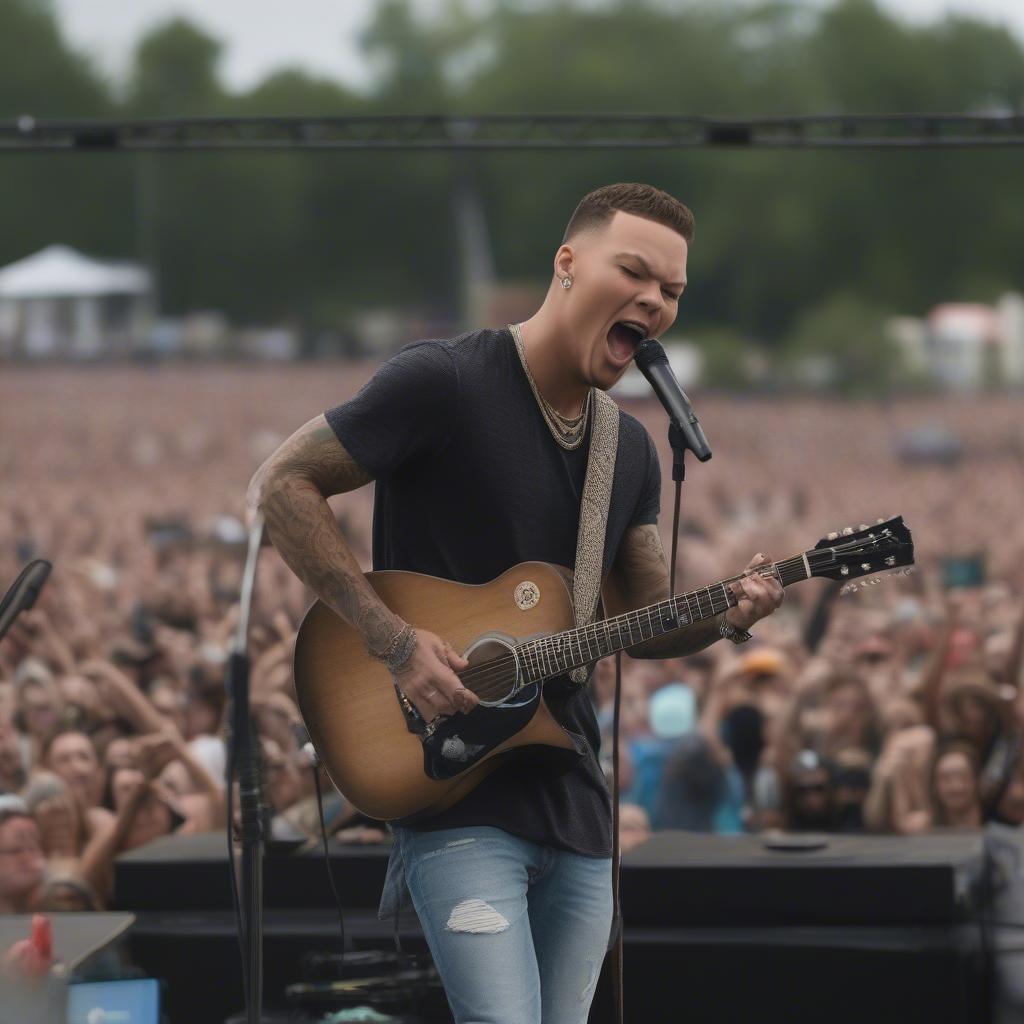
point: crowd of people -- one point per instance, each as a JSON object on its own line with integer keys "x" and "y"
{"x": 894, "y": 709}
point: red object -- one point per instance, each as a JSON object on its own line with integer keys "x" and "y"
{"x": 42, "y": 937}
{"x": 32, "y": 958}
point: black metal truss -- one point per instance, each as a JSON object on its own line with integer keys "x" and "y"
{"x": 515, "y": 131}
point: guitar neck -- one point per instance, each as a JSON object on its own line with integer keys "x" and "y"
{"x": 559, "y": 653}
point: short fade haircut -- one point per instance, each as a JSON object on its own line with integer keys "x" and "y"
{"x": 597, "y": 208}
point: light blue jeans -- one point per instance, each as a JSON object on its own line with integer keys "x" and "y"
{"x": 518, "y": 931}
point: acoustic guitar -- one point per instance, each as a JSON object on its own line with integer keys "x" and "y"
{"x": 519, "y": 635}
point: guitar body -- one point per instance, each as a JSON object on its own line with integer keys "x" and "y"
{"x": 353, "y": 714}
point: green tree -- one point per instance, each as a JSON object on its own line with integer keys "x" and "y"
{"x": 843, "y": 344}
{"x": 39, "y": 74}
{"x": 175, "y": 72}
{"x": 47, "y": 198}
{"x": 728, "y": 360}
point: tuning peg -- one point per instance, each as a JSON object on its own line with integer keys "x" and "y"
{"x": 833, "y": 535}
{"x": 879, "y": 522}
{"x": 863, "y": 526}
{"x": 847, "y": 531}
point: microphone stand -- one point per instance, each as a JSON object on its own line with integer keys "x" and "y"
{"x": 677, "y": 440}
{"x": 244, "y": 761}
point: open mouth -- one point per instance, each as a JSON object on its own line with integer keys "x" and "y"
{"x": 623, "y": 339}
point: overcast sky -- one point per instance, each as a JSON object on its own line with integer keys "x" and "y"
{"x": 320, "y": 36}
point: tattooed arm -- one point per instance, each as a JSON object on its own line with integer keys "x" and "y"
{"x": 639, "y": 577}
{"x": 292, "y": 488}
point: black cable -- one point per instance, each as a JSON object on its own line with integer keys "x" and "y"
{"x": 327, "y": 855}
{"x": 617, "y": 925}
{"x": 241, "y": 924}
{"x": 986, "y": 900}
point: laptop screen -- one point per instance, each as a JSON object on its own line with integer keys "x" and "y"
{"x": 131, "y": 1001}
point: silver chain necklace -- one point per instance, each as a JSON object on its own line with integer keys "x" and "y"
{"x": 569, "y": 433}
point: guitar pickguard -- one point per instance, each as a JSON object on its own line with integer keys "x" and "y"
{"x": 460, "y": 741}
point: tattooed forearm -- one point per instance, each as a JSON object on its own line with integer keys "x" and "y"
{"x": 680, "y": 642}
{"x": 291, "y": 488}
{"x": 642, "y": 564}
{"x": 377, "y": 626}
{"x": 641, "y": 574}
{"x": 303, "y": 529}
{"x": 312, "y": 453}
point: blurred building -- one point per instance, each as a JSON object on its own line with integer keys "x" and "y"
{"x": 61, "y": 304}
{"x": 966, "y": 345}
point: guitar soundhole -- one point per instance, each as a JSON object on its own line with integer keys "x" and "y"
{"x": 493, "y": 670}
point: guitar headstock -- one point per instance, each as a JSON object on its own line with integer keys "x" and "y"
{"x": 847, "y": 554}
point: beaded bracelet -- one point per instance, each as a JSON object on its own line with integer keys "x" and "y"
{"x": 400, "y": 650}
{"x": 392, "y": 646}
{"x": 405, "y": 651}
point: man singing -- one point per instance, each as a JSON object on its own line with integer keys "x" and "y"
{"x": 478, "y": 446}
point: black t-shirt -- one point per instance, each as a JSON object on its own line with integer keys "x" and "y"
{"x": 468, "y": 483}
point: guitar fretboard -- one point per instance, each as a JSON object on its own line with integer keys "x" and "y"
{"x": 559, "y": 653}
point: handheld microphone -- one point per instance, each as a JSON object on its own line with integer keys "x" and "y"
{"x": 23, "y": 592}
{"x": 652, "y": 362}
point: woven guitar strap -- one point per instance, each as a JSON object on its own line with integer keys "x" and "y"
{"x": 597, "y": 496}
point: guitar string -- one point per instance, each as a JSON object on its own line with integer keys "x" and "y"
{"x": 492, "y": 676}
{"x": 544, "y": 649}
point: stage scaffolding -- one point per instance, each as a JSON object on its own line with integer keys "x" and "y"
{"x": 513, "y": 132}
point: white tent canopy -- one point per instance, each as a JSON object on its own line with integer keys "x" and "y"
{"x": 59, "y": 304}
{"x": 58, "y": 272}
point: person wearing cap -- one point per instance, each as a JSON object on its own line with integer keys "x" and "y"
{"x": 808, "y": 793}
{"x": 672, "y": 712}
{"x": 769, "y": 674}
{"x": 40, "y": 708}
